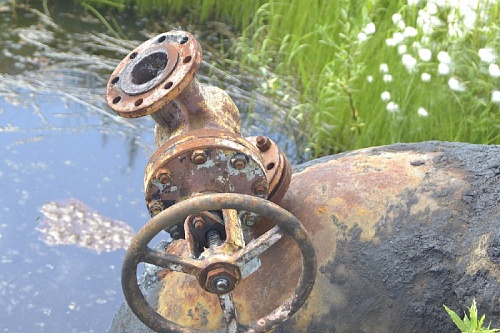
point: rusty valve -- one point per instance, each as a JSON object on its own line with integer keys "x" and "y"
{"x": 197, "y": 128}
{"x": 220, "y": 272}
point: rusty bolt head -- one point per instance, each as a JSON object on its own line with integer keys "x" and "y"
{"x": 198, "y": 222}
{"x": 263, "y": 143}
{"x": 248, "y": 218}
{"x": 155, "y": 207}
{"x": 259, "y": 188}
{"x": 239, "y": 161}
{"x": 164, "y": 176}
{"x": 222, "y": 279}
{"x": 199, "y": 156}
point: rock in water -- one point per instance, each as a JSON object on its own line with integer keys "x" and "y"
{"x": 71, "y": 222}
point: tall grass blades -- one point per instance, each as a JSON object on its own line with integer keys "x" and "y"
{"x": 368, "y": 72}
{"x": 376, "y": 72}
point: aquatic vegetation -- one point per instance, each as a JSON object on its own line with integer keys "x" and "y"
{"x": 74, "y": 223}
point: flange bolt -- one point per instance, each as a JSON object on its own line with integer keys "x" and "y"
{"x": 199, "y": 156}
{"x": 239, "y": 161}
{"x": 263, "y": 143}
{"x": 221, "y": 284}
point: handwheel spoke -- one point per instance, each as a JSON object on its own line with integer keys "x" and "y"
{"x": 172, "y": 262}
{"x": 229, "y": 312}
{"x": 259, "y": 245}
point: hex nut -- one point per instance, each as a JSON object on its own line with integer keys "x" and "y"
{"x": 155, "y": 207}
{"x": 259, "y": 188}
{"x": 198, "y": 222}
{"x": 239, "y": 161}
{"x": 231, "y": 274}
{"x": 164, "y": 176}
{"x": 199, "y": 156}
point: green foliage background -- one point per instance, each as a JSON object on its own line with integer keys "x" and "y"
{"x": 323, "y": 62}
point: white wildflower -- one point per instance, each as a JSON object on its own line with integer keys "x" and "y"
{"x": 443, "y": 69}
{"x": 402, "y": 49}
{"x": 413, "y": 2}
{"x": 387, "y": 78}
{"x": 494, "y": 70}
{"x": 422, "y": 112}
{"x": 383, "y": 68}
{"x": 487, "y": 55}
{"x": 369, "y": 78}
{"x": 455, "y": 85}
{"x": 410, "y": 32}
{"x": 444, "y": 57}
{"x": 392, "y": 107}
{"x": 425, "y": 54}
{"x": 431, "y": 8}
{"x": 495, "y": 96}
{"x": 396, "y": 18}
{"x": 362, "y": 37}
{"x": 409, "y": 61}
{"x": 370, "y": 28}
{"x": 401, "y": 25}
{"x": 386, "y": 96}
{"x": 426, "y": 77}
{"x": 391, "y": 42}
{"x": 398, "y": 37}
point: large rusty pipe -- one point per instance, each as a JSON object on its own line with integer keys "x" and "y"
{"x": 398, "y": 231}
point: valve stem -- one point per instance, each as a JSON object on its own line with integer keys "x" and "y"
{"x": 213, "y": 238}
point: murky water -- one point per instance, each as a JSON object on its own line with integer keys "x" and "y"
{"x": 55, "y": 145}
{"x": 58, "y": 141}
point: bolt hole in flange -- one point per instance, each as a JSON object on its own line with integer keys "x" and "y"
{"x": 187, "y": 59}
{"x": 161, "y": 39}
{"x": 183, "y": 40}
{"x": 168, "y": 85}
{"x": 270, "y": 166}
{"x": 116, "y": 99}
{"x": 115, "y": 79}
{"x": 133, "y": 55}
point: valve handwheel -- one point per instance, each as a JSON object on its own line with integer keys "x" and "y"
{"x": 139, "y": 251}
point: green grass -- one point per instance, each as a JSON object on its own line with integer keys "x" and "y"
{"x": 471, "y": 323}
{"x": 317, "y": 43}
{"x": 322, "y": 54}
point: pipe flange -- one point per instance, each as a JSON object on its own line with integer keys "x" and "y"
{"x": 153, "y": 74}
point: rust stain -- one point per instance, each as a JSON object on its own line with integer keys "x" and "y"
{"x": 358, "y": 190}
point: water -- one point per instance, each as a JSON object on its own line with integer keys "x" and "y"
{"x": 60, "y": 143}
{"x": 55, "y": 146}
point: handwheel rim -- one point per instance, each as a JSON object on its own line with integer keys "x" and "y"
{"x": 284, "y": 219}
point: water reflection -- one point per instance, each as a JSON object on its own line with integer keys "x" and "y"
{"x": 58, "y": 141}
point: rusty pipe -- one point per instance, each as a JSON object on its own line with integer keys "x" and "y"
{"x": 158, "y": 79}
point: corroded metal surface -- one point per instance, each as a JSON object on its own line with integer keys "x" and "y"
{"x": 198, "y": 128}
{"x": 398, "y": 230}
{"x": 216, "y": 264}
{"x": 158, "y": 79}
{"x": 153, "y": 74}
